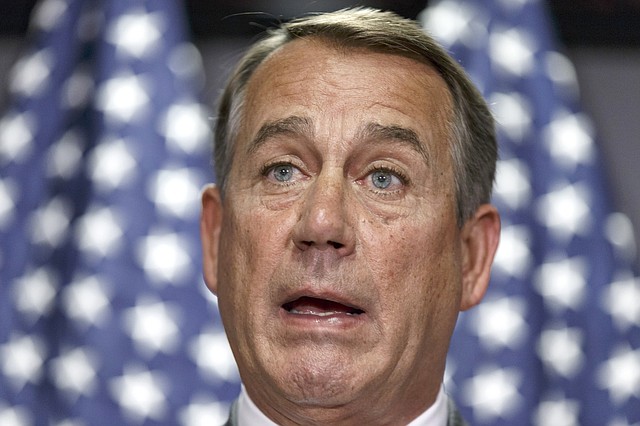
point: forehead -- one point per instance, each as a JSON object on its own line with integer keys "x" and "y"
{"x": 348, "y": 87}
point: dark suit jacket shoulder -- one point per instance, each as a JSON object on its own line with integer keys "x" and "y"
{"x": 455, "y": 418}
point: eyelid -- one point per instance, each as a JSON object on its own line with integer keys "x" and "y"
{"x": 281, "y": 160}
{"x": 393, "y": 170}
{"x": 269, "y": 168}
{"x": 393, "y": 191}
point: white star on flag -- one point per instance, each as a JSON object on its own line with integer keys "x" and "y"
{"x": 74, "y": 372}
{"x": 557, "y": 411}
{"x": 621, "y": 300}
{"x": 16, "y": 137}
{"x": 111, "y": 164}
{"x": 164, "y": 256}
{"x": 65, "y": 156}
{"x": 86, "y": 301}
{"x": 177, "y": 191}
{"x": 186, "y": 127}
{"x": 98, "y": 232}
{"x": 620, "y": 233}
{"x": 512, "y": 183}
{"x": 562, "y": 282}
{"x": 48, "y": 14}
{"x": 50, "y": 222}
{"x": 514, "y": 256}
{"x": 512, "y": 50}
{"x": 568, "y": 139}
{"x": 31, "y": 74}
{"x": 565, "y": 210}
{"x": 21, "y": 359}
{"x": 453, "y": 21}
{"x": 561, "y": 72}
{"x": 204, "y": 411}
{"x": 500, "y": 322}
{"x": 493, "y": 392}
{"x": 512, "y": 113}
{"x": 136, "y": 33}
{"x": 153, "y": 325}
{"x": 34, "y": 293}
{"x": 140, "y": 393}
{"x": 211, "y": 352}
{"x": 123, "y": 98}
{"x": 14, "y": 416}
{"x": 620, "y": 375}
{"x": 560, "y": 349}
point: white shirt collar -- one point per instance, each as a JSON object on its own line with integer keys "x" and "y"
{"x": 436, "y": 415}
{"x": 250, "y": 415}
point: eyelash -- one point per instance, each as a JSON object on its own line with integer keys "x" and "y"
{"x": 403, "y": 178}
{"x": 269, "y": 167}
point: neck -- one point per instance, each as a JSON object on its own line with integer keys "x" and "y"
{"x": 373, "y": 411}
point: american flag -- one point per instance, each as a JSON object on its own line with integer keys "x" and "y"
{"x": 557, "y": 339}
{"x": 104, "y": 319}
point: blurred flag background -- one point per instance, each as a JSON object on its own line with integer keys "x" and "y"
{"x": 104, "y": 318}
{"x": 557, "y": 339}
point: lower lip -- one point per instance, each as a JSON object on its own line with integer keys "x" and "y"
{"x": 337, "y": 321}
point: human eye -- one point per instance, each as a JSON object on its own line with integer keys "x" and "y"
{"x": 281, "y": 173}
{"x": 384, "y": 179}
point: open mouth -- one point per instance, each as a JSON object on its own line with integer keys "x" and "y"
{"x": 319, "y": 307}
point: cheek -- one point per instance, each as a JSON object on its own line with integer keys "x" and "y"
{"x": 419, "y": 270}
{"x": 252, "y": 245}
{"x": 237, "y": 269}
{"x": 235, "y": 258}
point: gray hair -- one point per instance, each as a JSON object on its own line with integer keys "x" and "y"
{"x": 473, "y": 145}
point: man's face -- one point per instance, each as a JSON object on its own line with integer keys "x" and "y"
{"x": 340, "y": 262}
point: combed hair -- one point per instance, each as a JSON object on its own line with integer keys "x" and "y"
{"x": 471, "y": 128}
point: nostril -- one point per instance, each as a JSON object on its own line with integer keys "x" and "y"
{"x": 335, "y": 245}
{"x": 305, "y": 244}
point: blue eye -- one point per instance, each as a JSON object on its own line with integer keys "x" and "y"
{"x": 381, "y": 179}
{"x": 386, "y": 180}
{"x": 283, "y": 172}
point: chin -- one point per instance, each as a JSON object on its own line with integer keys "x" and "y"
{"x": 319, "y": 379}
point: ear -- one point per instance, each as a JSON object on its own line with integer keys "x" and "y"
{"x": 480, "y": 236}
{"x": 210, "y": 224}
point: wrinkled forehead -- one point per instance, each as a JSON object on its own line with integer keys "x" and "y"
{"x": 312, "y": 47}
{"x": 299, "y": 72}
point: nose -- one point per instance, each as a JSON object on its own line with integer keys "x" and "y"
{"x": 324, "y": 222}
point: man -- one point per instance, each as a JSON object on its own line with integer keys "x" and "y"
{"x": 350, "y": 224}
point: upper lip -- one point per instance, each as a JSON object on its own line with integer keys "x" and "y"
{"x": 353, "y": 303}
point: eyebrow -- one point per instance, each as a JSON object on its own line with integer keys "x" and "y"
{"x": 292, "y": 125}
{"x": 379, "y": 132}
{"x": 375, "y": 132}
